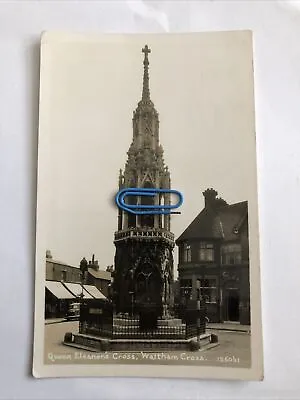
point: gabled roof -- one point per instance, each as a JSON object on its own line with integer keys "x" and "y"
{"x": 216, "y": 223}
{"x": 203, "y": 226}
{"x": 232, "y": 217}
{"x": 100, "y": 274}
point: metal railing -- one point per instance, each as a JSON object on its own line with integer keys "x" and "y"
{"x": 105, "y": 324}
{"x": 130, "y": 329}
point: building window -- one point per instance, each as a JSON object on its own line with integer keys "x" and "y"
{"x": 206, "y": 251}
{"x": 186, "y": 288}
{"x": 231, "y": 254}
{"x": 64, "y": 275}
{"x": 208, "y": 290}
{"x": 187, "y": 254}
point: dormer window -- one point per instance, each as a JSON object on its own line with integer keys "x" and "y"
{"x": 187, "y": 253}
{"x": 206, "y": 251}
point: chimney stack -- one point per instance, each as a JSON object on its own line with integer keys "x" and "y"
{"x": 211, "y": 199}
{"x": 210, "y": 196}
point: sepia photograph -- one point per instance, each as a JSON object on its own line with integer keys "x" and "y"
{"x": 147, "y": 244}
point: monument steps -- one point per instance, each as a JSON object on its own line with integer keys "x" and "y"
{"x": 100, "y": 344}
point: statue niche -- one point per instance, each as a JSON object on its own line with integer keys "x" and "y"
{"x": 148, "y": 284}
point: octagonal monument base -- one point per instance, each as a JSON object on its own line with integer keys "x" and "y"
{"x": 126, "y": 335}
{"x": 98, "y": 344}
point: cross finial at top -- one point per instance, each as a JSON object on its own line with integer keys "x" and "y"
{"x": 146, "y": 92}
{"x": 146, "y": 50}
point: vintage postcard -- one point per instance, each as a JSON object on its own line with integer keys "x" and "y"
{"x": 147, "y": 244}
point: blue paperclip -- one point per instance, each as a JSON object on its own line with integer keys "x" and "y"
{"x": 140, "y": 209}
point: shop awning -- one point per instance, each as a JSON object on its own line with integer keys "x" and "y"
{"x": 95, "y": 292}
{"x": 58, "y": 290}
{"x": 76, "y": 289}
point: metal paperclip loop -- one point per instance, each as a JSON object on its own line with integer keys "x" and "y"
{"x": 140, "y": 209}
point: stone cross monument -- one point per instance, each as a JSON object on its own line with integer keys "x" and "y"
{"x": 144, "y": 243}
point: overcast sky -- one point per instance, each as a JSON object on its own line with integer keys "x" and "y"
{"x": 202, "y": 87}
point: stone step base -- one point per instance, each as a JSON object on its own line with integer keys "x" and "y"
{"x": 161, "y": 330}
{"x": 94, "y": 343}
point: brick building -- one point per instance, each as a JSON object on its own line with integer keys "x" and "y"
{"x": 60, "y": 271}
{"x": 214, "y": 249}
{"x": 64, "y": 285}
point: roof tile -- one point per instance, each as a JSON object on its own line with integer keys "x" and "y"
{"x": 216, "y": 223}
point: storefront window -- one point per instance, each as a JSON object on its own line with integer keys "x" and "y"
{"x": 186, "y": 288}
{"x": 208, "y": 290}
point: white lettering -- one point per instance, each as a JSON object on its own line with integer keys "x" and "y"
{"x": 159, "y": 356}
{"x": 187, "y": 357}
{"x": 124, "y": 356}
{"x": 54, "y": 357}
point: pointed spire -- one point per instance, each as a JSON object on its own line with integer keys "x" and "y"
{"x": 120, "y": 178}
{"x": 146, "y": 91}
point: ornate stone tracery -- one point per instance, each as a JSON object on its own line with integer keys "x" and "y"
{"x": 144, "y": 262}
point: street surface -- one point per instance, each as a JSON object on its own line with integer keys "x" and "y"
{"x": 233, "y": 351}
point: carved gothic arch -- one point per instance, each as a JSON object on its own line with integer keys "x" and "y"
{"x": 147, "y": 180}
